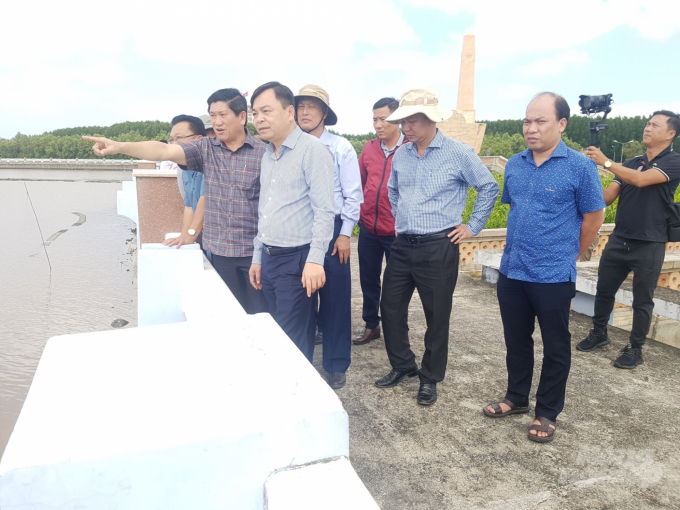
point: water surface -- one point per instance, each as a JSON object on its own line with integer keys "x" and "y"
{"x": 89, "y": 285}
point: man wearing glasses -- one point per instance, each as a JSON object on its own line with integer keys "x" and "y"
{"x": 230, "y": 164}
{"x": 334, "y": 321}
{"x": 185, "y": 129}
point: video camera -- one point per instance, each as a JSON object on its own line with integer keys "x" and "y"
{"x": 591, "y": 105}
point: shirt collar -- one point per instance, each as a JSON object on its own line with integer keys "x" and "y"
{"x": 660, "y": 155}
{"x": 249, "y": 140}
{"x": 387, "y": 149}
{"x": 326, "y": 137}
{"x": 289, "y": 142}
{"x": 561, "y": 151}
{"x": 292, "y": 138}
{"x": 437, "y": 141}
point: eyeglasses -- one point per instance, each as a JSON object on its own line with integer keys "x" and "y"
{"x": 179, "y": 138}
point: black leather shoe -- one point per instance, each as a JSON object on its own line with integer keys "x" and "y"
{"x": 336, "y": 380}
{"x": 427, "y": 394}
{"x": 393, "y": 378}
{"x": 318, "y": 340}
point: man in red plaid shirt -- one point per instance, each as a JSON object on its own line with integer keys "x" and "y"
{"x": 230, "y": 163}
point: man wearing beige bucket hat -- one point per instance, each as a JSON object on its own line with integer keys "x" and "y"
{"x": 428, "y": 189}
{"x": 334, "y": 321}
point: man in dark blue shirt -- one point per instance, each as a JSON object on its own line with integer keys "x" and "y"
{"x": 645, "y": 186}
{"x": 556, "y": 209}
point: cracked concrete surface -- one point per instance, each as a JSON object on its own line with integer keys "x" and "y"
{"x": 615, "y": 442}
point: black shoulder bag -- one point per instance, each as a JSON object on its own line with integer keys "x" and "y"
{"x": 673, "y": 221}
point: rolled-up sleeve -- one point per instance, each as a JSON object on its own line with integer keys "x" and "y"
{"x": 318, "y": 172}
{"x": 477, "y": 175}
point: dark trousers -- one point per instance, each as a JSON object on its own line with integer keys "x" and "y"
{"x": 234, "y": 273}
{"x": 521, "y": 303}
{"x": 335, "y": 310}
{"x": 432, "y": 268}
{"x": 281, "y": 280}
{"x": 620, "y": 257}
{"x": 371, "y": 249}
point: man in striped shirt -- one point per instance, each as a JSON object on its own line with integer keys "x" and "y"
{"x": 428, "y": 190}
{"x": 296, "y": 215}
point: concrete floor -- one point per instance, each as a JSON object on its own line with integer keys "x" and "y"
{"x": 613, "y": 449}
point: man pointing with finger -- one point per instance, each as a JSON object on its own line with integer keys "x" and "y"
{"x": 296, "y": 215}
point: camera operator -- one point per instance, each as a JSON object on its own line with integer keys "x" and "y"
{"x": 645, "y": 186}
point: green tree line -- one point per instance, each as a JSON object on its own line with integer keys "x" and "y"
{"x": 622, "y": 129}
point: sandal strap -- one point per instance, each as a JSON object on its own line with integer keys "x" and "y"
{"x": 496, "y": 408}
{"x": 544, "y": 425}
{"x": 510, "y": 404}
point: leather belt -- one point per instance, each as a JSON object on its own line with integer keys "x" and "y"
{"x": 426, "y": 238}
{"x": 275, "y": 250}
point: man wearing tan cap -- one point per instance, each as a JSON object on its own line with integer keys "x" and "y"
{"x": 428, "y": 189}
{"x": 314, "y": 113}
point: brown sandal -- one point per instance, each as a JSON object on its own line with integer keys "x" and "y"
{"x": 498, "y": 411}
{"x": 543, "y": 427}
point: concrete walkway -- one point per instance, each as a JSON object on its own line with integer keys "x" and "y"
{"x": 615, "y": 442}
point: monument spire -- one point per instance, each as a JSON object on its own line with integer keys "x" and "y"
{"x": 466, "y": 84}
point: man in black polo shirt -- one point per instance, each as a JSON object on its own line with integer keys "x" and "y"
{"x": 645, "y": 186}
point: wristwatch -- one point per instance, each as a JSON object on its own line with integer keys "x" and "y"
{"x": 608, "y": 163}
{"x": 192, "y": 232}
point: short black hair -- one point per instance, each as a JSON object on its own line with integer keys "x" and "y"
{"x": 562, "y": 110}
{"x": 390, "y": 102}
{"x": 284, "y": 95}
{"x": 673, "y": 120}
{"x": 197, "y": 126}
{"x": 235, "y": 101}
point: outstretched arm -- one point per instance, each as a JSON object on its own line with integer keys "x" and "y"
{"x": 153, "y": 151}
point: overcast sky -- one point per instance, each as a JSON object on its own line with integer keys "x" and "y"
{"x": 77, "y": 62}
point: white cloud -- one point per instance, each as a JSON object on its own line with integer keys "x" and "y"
{"x": 94, "y": 61}
{"x": 556, "y": 64}
{"x": 505, "y": 28}
{"x": 516, "y": 91}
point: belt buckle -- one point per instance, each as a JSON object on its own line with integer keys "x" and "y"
{"x": 266, "y": 249}
{"x": 413, "y": 239}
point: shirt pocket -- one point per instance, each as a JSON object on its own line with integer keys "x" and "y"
{"x": 552, "y": 197}
{"x": 247, "y": 184}
{"x": 434, "y": 182}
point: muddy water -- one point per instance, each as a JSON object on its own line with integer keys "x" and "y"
{"x": 74, "y": 227}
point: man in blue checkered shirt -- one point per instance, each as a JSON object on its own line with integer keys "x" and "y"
{"x": 428, "y": 189}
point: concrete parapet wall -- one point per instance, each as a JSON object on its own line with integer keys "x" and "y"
{"x": 495, "y": 163}
{"x": 494, "y": 239}
{"x": 70, "y": 169}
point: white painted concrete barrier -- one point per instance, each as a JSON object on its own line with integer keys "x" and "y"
{"x": 195, "y": 410}
{"x": 328, "y": 485}
{"x": 162, "y": 274}
{"x": 192, "y": 415}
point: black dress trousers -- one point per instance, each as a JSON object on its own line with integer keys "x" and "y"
{"x": 521, "y": 303}
{"x": 432, "y": 268}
